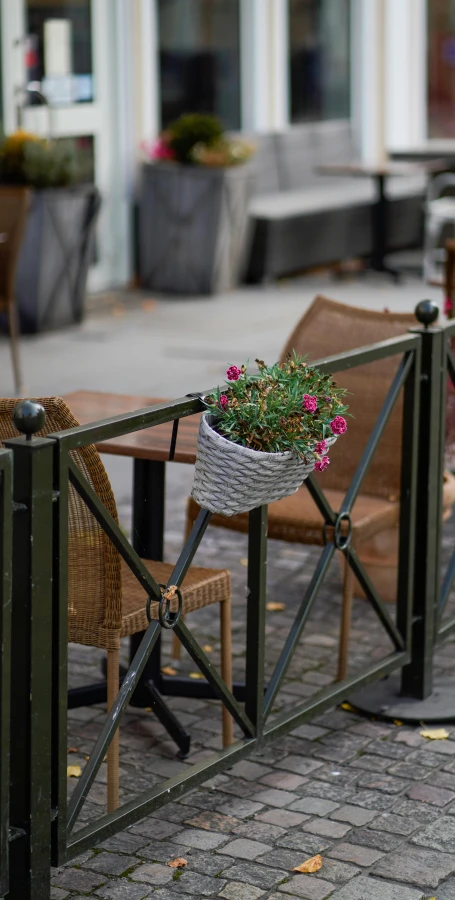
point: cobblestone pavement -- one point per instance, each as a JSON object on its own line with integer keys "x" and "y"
{"x": 376, "y": 800}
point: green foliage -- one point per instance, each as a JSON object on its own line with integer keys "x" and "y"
{"x": 29, "y": 160}
{"x": 192, "y": 129}
{"x": 268, "y": 412}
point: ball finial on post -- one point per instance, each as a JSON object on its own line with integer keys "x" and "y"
{"x": 426, "y": 312}
{"x": 29, "y": 417}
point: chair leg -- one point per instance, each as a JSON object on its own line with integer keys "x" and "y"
{"x": 346, "y": 613}
{"x": 14, "y": 340}
{"x": 226, "y": 667}
{"x": 113, "y": 752}
{"x": 176, "y": 647}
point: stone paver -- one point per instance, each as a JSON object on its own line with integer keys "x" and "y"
{"x": 370, "y": 889}
{"x": 360, "y": 856}
{"x": 235, "y": 890}
{"x": 245, "y": 849}
{"x": 308, "y": 888}
{"x": 354, "y": 815}
{"x": 417, "y": 866}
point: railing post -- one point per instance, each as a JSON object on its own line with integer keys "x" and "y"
{"x": 417, "y": 677}
{"x": 255, "y": 619}
{"x": 31, "y": 646}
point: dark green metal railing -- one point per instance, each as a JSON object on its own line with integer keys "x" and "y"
{"x": 42, "y": 827}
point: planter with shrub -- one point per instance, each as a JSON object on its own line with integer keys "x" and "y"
{"x": 193, "y": 208}
{"x": 55, "y": 253}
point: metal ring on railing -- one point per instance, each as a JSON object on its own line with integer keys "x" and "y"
{"x": 168, "y": 619}
{"x": 342, "y": 541}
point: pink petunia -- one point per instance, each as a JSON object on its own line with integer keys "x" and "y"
{"x": 233, "y": 373}
{"x": 322, "y": 464}
{"x": 338, "y": 425}
{"x": 310, "y": 403}
{"x": 162, "y": 150}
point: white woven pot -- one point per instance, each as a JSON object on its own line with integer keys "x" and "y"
{"x": 230, "y": 479}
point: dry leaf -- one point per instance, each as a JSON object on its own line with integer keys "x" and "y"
{"x": 275, "y": 607}
{"x": 348, "y": 707}
{"x": 73, "y": 772}
{"x": 168, "y": 670}
{"x": 397, "y": 722}
{"x": 178, "y": 863}
{"x": 196, "y": 675}
{"x": 244, "y": 561}
{"x": 435, "y": 734}
{"x": 73, "y": 750}
{"x": 310, "y": 865}
{"x": 207, "y": 648}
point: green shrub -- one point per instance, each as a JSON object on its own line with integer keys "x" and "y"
{"x": 192, "y": 129}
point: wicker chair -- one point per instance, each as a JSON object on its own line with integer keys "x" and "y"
{"x": 13, "y": 211}
{"x": 328, "y": 328}
{"x": 105, "y": 601}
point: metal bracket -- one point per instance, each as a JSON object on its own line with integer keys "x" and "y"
{"x": 167, "y": 618}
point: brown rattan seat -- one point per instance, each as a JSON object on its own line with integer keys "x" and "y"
{"x": 105, "y": 601}
{"x": 326, "y": 329}
{"x": 13, "y": 212}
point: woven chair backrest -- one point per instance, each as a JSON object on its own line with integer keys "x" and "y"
{"x": 13, "y": 212}
{"x": 94, "y": 579}
{"x": 329, "y": 328}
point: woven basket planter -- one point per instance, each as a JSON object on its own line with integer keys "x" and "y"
{"x": 230, "y": 479}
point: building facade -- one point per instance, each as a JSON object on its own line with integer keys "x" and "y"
{"x": 110, "y": 73}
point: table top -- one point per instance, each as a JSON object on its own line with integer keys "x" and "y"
{"x": 434, "y": 149}
{"x": 150, "y": 443}
{"x": 390, "y": 167}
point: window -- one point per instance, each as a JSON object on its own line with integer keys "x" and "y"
{"x": 319, "y": 47}
{"x": 59, "y": 50}
{"x": 441, "y": 68}
{"x": 199, "y": 45}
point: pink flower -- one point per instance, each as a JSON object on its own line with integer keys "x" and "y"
{"x": 310, "y": 403}
{"x": 448, "y": 307}
{"x": 338, "y": 425}
{"x": 321, "y": 446}
{"x": 223, "y": 401}
{"x": 233, "y": 373}
{"x": 322, "y": 464}
{"x": 162, "y": 150}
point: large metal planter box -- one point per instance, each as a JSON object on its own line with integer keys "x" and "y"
{"x": 193, "y": 227}
{"x": 55, "y": 253}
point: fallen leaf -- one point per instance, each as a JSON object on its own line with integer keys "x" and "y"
{"x": 196, "y": 675}
{"x": 310, "y": 865}
{"x": 207, "y": 648}
{"x": 347, "y": 707}
{"x": 168, "y": 670}
{"x": 148, "y": 709}
{"x": 435, "y": 734}
{"x": 73, "y": 750}
{"x": 73, "y": 772}
{"x": 275, "y": 607}
{"x": 178, "y": 863}
{"x": 397, "y": 722}
{"x": 244, "y": 561}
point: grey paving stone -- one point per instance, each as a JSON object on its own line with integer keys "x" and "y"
{"x": 123, "y": 890}
{"x": 440, "y": 835}
{"x": 364, "y": 888}
{"x": 307, "y": 887}
{"x": 371, "y": 763}
{"x": 259, "y": 831}
{"x": 371, "y": 800}
{"x": 213, "y": 821}
{"x": 306, "y": 843}
{"x": 336, "y": 871}
{"x": 198, "y": 885}
{"x": 124, "y": 842}
{"x": 162, "y": 894}
{"x": 251, "y": 771}
{"x": 387, "y": 784}
{"x": 239, "y": 809}
{"x": 326, "y": 828}
{"x": 442, "y": 779}
{"x": 422, "y": 813}
{"x": 245, "y": 849}
{"x": 412, "y": 770}
{"x": 311, "y": 732}
{"x": 360, "y": 856}
{"x": 395, "y": 824}
{"x": 388, "y": 748}
{"x": 284, "y": 781}
{"x": 444, "y": 748}
{"x": 377, "y": 840}
{"x": 158, "y": 828}
{"x": 235, "y": 890}
{"x": 273, "y": 797}
{"x": 428, "y": 794}
{"x": 153, "y": 873}
{"x": 326, "y": 791}
{"x": 355, "y": 815}
{"x": 111, "y": 863}
{"x": 316, "y": 806}
{"x": 200, "y": 839}
{"x": 299, "y": 765}
{"x": 447, "y": 891}
{"x": 280, "y": 858}
{"x": 261, "y": 876}
{"x": 283, "y": 817}
{"x": 58, "y": 894}
{"x": 78, "y": 880}
{"x": 427, "y": 868}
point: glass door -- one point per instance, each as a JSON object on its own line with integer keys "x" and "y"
{"x": 67, "y": 91}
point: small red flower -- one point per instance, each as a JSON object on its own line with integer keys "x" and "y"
{"x": 448, "y": 307}
{"x": 310, "y": 403}
{"x": 321, "y": 446}
{"x": 223, "y": 401}
{"x": 322, "y": 464}
{"x": 338, "y": 425}
{"x": 233, "y": 373}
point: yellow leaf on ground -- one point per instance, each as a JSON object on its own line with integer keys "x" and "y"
{"x": 178, "y": 863}
{"x": 434, "y": 734}
{"x": 397, "y": 722}
{"x": 168, "y": 670}
{"x": 347, "y": 707}
{"x": 72, "y": 750}
{"x": 207, "y": 648}
{"x": 196, "y": 675}
{"x": 73, "y": 772}
{"x": 310, "y": 865}
{"x": 275, "y": 607}
{"x": 244, "y": 561}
